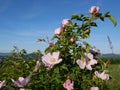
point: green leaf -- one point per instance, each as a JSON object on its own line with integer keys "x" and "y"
{"x": 64, "y": 67}
{"x": 85, "y": 18}
{"x": 75, "y": 16}
{"x": 113, "y": 20}
{"x": 106, "y": 14}
{"x": 102, "y": 18}
{"x": 40, "y": 40}
{"x": 93, "y": 24}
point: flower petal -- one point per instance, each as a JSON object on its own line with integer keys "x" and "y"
{"x": 55, "y": 55}
{"x": 94, "y": 88}
{"x": 88, "y": 66}
{"x": 92, "y": 62}
{"x": 81, "y": 63}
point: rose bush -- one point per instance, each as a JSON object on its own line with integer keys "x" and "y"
{"x": 68, "y": 63}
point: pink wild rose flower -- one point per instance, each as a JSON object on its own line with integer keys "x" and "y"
{"x": 94, "y": 88}
{"x": 58, "y": 31}
{"x": 68, "y": 84}
{"x": 2, "y": 83}
{"x": 51, "y": 59}
{"x": 81, "y": 63}
{"x": 21, "y": 82}
{"x": 94, "y": 10}
{"x": 87, "y": 62}
{"x": 65, "y": 22}
{"x": 103, "y": 75}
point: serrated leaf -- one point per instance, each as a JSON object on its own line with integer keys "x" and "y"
{"x": 112, "y": 19}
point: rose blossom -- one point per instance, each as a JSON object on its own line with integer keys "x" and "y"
{"x": 2, "y": 83}
{"x": 87, "y": 62}
{"x": 58, "y": 31}
{"x": 94, "y": 9}
{"x": 65, "y": 22}
{"x": 82, "y": 64}
{"x": 68, "y": 84}
{"x": 94, "y": 88}
{"x": 51, "y": 59}
{"x": 103, "y": 75}
{"x": 21, "y": 82}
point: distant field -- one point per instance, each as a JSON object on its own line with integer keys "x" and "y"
{"x": 114, "y": 83}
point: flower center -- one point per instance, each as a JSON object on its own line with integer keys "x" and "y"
{"x": 52, "y": 59}
{"x": 87, "y": 62}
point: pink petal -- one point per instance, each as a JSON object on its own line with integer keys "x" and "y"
{"x": 97, "y": 74}
{"x": 65, "y": 22}
{"x": 58, "y": 61}
{"x": 89, "y": 55}
{"x": 46, "y": 58}
{"x": 94, "y": 88}
{"x": 89, "y": 67}
{"x": 68, "y": 85}
{"x": 81, "y": 64}
{"x": 104, "y": 76}
{"x": 93, "y": 62}
{"x": 55, "y": 55}
{"x": 58, "y": 31}
{"x": 37, "y": 66}
{"x": 17, "y": 83}
{"x": 2, "y": 83}
{"x": 20, "y": 79}
{"x": 25, "y": 81}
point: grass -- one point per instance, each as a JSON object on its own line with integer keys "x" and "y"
{"x": 114, "y": 83}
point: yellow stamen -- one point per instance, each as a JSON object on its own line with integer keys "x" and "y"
{"x": 52, "y": 59}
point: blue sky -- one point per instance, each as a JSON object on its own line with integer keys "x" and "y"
{"x": 22, "y": 22}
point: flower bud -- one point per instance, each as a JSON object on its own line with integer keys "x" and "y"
{"x": 87, "y": 31}
{"x": 51, "y": 44}
{"x": 72, "y": 39}
{"x": 94, "y": 10}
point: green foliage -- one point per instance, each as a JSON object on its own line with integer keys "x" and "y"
{"x": 112, "y": 60}
{"x": 110, "y": 17}
{"x": 114, "y": 70}
{"x": 15, "y": 66}
{"x": 113, "y": 20}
